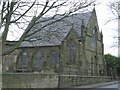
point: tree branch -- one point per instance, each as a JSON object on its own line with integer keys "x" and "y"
{"x": 9, "y": 14}
{"x": 24, "y": 13}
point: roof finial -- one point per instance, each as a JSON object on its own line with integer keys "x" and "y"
{"x": 94, "y": 7}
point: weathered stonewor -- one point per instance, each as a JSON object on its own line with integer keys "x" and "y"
{"x": 29, "y": 80}
{"x": 76, "y": 80}
{"x": 48, "y": 80}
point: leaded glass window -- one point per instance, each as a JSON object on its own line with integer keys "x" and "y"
{"x": 23, "y": 60}
{"x": 54, "y": 57}
{"x": 38, "y": 60}
{"x": 71, "y": 52}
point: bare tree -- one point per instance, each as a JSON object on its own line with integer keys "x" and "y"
{"x": 115, "y": 9}
{"x": 25, "y": 15}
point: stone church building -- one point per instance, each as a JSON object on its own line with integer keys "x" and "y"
{"x": 73, "y": 46}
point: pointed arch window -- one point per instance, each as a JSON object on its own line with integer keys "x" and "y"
{"x": 54, "y": 60}
{"x": 23, "y": 60}
{"x": 94, "y": 37}
{"x": 54, "y": 57}
{"x": 38, "y": 60}
{"x": 71, "y": 52}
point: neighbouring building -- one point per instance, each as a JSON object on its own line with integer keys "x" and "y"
{"x": 73, "y": 45}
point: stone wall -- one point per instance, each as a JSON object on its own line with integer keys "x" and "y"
{"x": 76, "y": 80}
{"x": 38, "y": 80}
{"x": 29, "y": 80}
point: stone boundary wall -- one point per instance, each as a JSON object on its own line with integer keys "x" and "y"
{"x": 38, "y": 80}
{"x": 76, "y": 80}
{"x": 29, "y": 80}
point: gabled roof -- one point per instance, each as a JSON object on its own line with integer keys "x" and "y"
{"x": 55, "y": 33}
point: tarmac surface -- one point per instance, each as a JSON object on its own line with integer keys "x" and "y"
{"x": 100, "y": 86}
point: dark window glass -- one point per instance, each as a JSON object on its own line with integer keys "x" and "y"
{"x": 38, "y": 60}
{"x": 54, "y": 57}
{"x": 71, "y": 52}
{"x": 94, "y": 38}
{"x": 24, "y": 60}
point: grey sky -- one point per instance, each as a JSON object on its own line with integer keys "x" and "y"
{"x": 109, "y": 30}
{"x": 103, "y": 15}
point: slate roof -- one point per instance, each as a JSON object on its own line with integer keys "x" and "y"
{"x": 55, "y": 33}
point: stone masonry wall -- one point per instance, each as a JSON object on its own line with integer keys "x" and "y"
{"x": 76, "y": 80}
{"x": 38, "y": 80}
{"x": 29, "y": 80}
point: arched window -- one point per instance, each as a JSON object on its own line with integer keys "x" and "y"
{"x": 54, "y": 57}
{"x": 23, "y": 60}
{"x": 94, "y": 37}
{"x": 71, "y": 52}
{"x": 38, "y": 60}
{"x": 54, "y": 60}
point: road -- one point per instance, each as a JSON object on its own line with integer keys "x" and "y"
{"x": 116, "y": 85}
{"x": 100, "y": 86}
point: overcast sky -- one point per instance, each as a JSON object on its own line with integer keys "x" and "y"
{"x": 109, "y": 30}
{"x": 103, "y": 15}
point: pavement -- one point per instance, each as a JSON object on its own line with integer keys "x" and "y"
{"x": 97, "y": 85}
